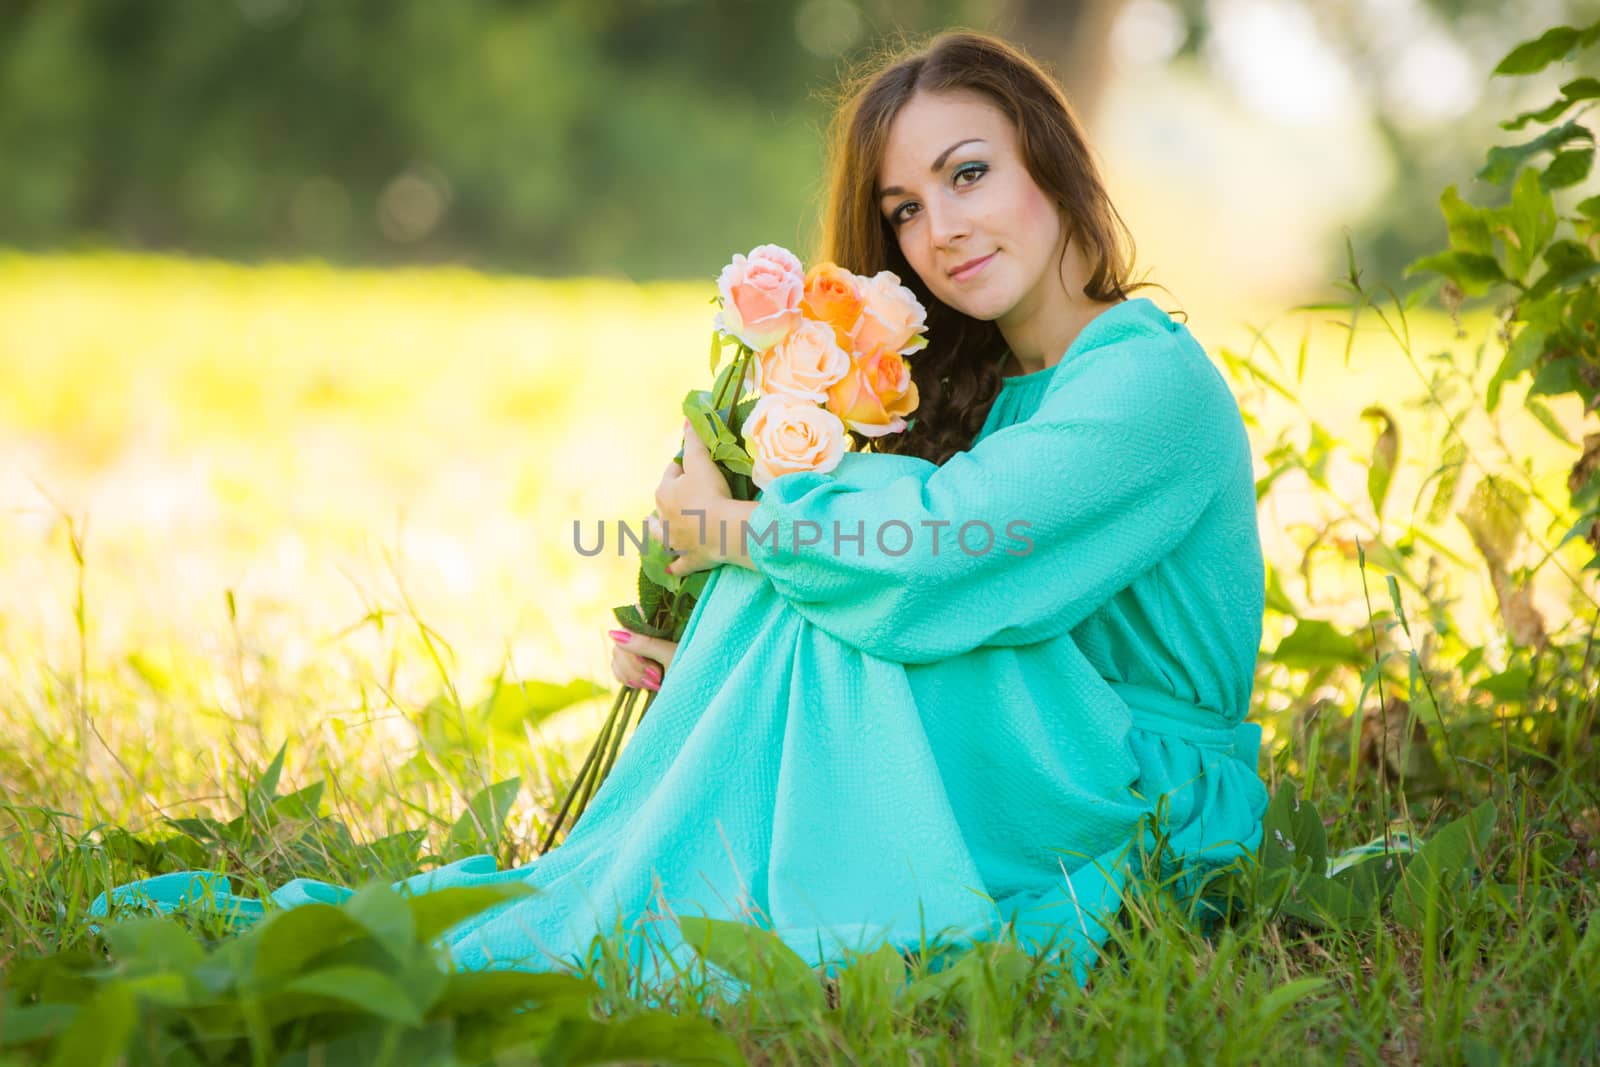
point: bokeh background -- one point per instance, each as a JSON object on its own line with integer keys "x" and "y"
{"x": 643, "y": 139}
{"x": 321, "y": 324}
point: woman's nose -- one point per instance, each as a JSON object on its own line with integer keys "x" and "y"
{"x": 947, "y": 223}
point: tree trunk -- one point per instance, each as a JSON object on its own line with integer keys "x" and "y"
{"x": 1071, "y": 38}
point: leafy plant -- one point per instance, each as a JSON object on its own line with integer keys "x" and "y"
{"x": 1539, "y": 260}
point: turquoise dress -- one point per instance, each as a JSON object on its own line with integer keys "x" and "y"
{"x": 936, "y": 741}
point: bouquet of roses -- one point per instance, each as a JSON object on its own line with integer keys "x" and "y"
{"x": 814, "y": 352}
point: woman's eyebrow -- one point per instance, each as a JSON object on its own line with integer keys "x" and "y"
{"x": 893, "y": 189}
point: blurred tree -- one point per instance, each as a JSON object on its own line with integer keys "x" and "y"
{"x": 1421, "y": 71}
{"x": 645, "y": 137}
{"x": 1073, "y": 37}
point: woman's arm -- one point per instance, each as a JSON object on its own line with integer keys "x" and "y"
{"x": 1126, "y": 452}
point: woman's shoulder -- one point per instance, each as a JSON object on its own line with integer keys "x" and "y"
{"x": 1146, "y": 358}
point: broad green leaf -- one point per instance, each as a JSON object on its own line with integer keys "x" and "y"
{"x": 1556, "y": 377}
{"x": 760, "y": 959}
{"x": 1503, "y": 160}
{"x": 733, "y": 456}
{"x": 99, "y": 1035}
{"x": 1444, "y": 862}
{"x": 1568, "y": 168}
{"x": 653, "y": 563}
{"x": 627, "y": 615}
{"x": 360, "y": 987}
{"x": 1582, "y": 89}
{"x": 1315, "y": 643}
{"x": 1474, "y": 274}
{"x": 1531, "y": 218}
{"x": 142, "y": 946}
{"x": 695, "y": 584}
{"x": 1521, "y": 356}
{"x": 1549, "y": 113}
{"x": 1316, "y": 899}
{"x": 1509, "y": 686}
{"x": 302, "y": 804}
{"x": 1370, "y": 881}
{"x": 652, "y": 597}
{"x": 869, "y": 987}
{"x": 1468, "y": 225}
{"x": 165, "y": 988}
{"x": 21, "y": 1024}
{"x": 479, "y": 827}
{"x": 288, "y": 940}
{"x": 384, "y": 914}
{"x": 1530, "y": 57}
{"x": 437, "y": 910}
{"x": 509, "y": 706}
{"x": 1292, "y": 835}
{"x": 1385, "y": 458}
{"x": 1575, "y": 91}
{"x": 1569, "y": 265}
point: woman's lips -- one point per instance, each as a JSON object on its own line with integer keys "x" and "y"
{"x": 971, "y": 269}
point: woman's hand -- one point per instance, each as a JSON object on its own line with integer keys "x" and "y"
{"x": 690, "y": 505}
{"x": 639, "y": 660}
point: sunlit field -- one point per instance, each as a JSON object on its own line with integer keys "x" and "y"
{"x": 253, "y": 508}
{"x": 309, "y": 501}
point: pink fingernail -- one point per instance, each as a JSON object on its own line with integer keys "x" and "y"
{"x": 653, "y": 673}
{"x": 620, "y": 636}
{"x": 654, "y": 687}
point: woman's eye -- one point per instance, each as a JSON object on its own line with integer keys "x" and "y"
{"x": 975, "y": 169}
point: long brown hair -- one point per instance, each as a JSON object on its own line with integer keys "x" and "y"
{"x": 958, "y": 374}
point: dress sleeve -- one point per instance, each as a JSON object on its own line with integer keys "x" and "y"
{"x": 1024, "y": 535}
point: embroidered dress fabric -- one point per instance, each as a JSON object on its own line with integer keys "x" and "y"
{"x": 932, "y": 740}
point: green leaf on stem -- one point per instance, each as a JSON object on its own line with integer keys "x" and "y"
{"x": 1530, "y": 57}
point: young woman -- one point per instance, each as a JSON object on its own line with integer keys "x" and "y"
{"x": 1026, "y": 637}
{"x": 1022, "y": 708}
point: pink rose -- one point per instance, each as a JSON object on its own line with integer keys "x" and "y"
{"x": 803, "y": 364}
{"x": 892, "y": 318}
{"x": 785, "y": 435}
{"x": 761, "y": 296}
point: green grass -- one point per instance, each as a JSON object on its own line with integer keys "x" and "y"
{"x": 246, "y": 512}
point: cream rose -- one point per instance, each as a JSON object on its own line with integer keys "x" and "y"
{"x": 892, "y": 319}
{"x": 761, "y": 295}
{"x": 803, "y": 364}
{"x": 785, "y": 435}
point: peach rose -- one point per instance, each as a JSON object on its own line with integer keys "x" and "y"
{"x": 785, "y": 435}
{"x": 833, "y": 296}
{"x": 803, "y": 364}
{"x": 877, "y": 394}
{"x": 892, "y": 318}
{"x": 761, "y": 296}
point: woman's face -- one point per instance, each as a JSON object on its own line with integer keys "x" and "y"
{"x": 955, "y": 190}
